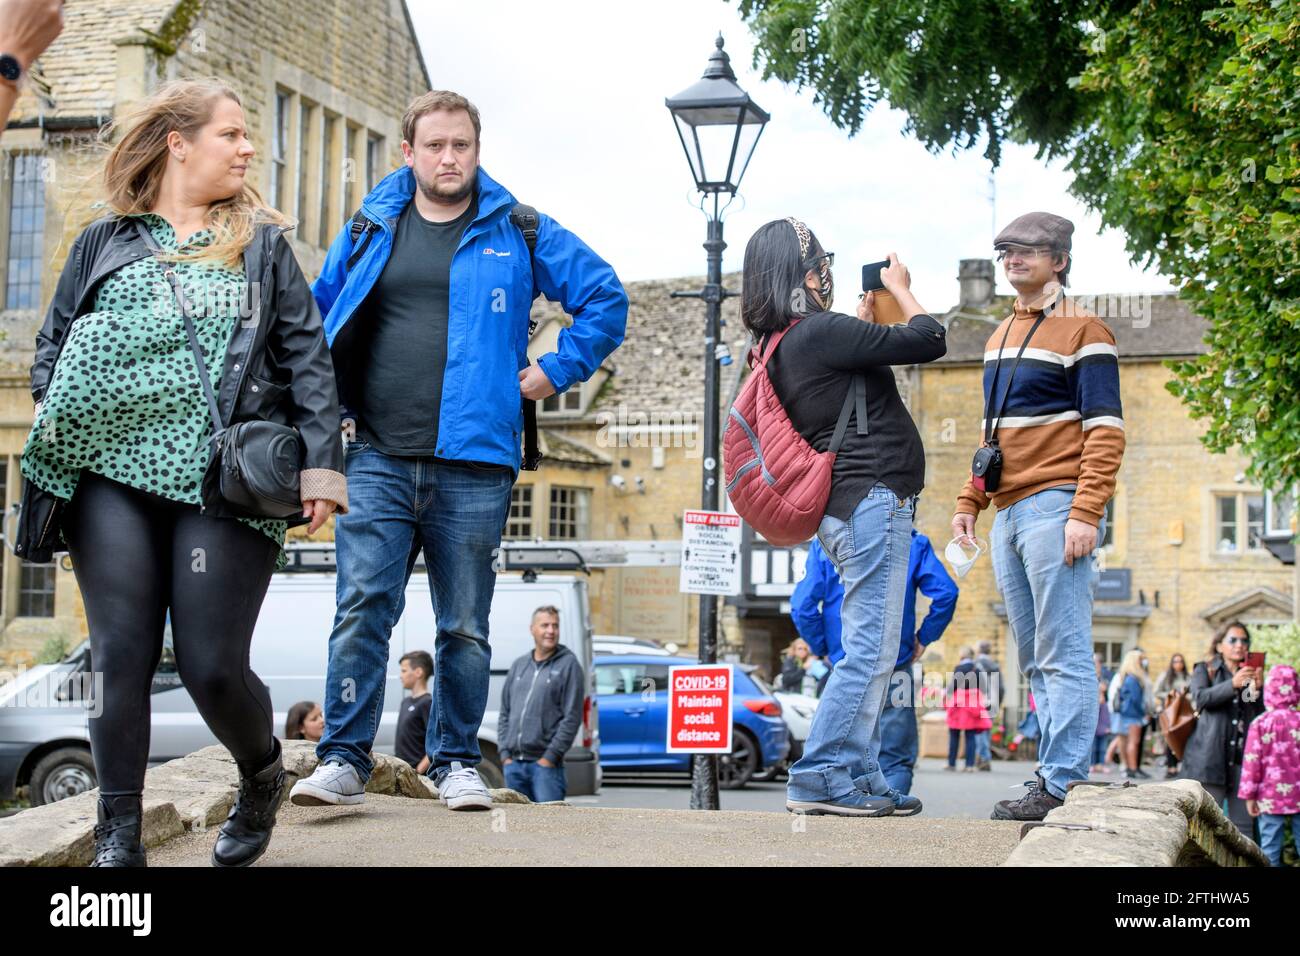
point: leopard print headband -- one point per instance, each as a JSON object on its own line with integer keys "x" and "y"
{"x": 805, "y": 237}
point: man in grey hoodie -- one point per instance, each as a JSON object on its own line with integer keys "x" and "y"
{"x": 541, "y": 709}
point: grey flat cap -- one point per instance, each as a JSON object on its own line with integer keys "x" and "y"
{"x": 1037, "y": 229}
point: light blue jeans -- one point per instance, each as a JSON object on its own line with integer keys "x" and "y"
{"x": 1049, "y": 606}
{"x": 870, "y": 551}
{"x": 984, "y": 745}
{"x": 1271, "y": 829}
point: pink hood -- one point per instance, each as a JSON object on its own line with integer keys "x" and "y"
{"x": 1281, "y": 692}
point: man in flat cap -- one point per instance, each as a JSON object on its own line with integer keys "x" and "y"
{"x": 1053, "y": 438}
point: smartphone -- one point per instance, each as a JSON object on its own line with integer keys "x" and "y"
{"x": 871, "y": 276}
{"x": 1255, "y": 659}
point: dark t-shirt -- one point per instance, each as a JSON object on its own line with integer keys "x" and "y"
{"x": 412, "y": 722}
{"x": 812, "y": 370}
{"x": 402, "y": 351}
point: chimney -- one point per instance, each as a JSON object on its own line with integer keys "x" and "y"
{"x": 975, "y": 277}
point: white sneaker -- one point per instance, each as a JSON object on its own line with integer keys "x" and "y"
{"x": 462, "y": 789}
{"x": 334, "y": 781}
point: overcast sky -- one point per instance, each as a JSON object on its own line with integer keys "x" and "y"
{"x": 572, "y": 101}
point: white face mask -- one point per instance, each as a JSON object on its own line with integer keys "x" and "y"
{"x": 957, "y": 557}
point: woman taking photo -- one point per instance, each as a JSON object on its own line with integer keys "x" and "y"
{"x": 122, "y": 441}
{"x": 880, "y": 467}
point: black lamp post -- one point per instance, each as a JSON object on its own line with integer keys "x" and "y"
{"x": 719, "y": 126}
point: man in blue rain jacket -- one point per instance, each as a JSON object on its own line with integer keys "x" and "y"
{"x": 426, "y": 311}
{"x": 815, "y": 608}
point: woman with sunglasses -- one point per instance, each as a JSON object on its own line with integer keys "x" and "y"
{"x": 1227, "y": 695}
{"x": 878, "y": 472}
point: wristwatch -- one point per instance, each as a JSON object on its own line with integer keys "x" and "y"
{"x": 11, "y": 70}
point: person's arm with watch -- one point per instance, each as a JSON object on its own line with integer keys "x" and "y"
{"x": 27, "y": 27}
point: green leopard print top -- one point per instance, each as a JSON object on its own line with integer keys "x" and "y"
{"x": 125, "y": 400}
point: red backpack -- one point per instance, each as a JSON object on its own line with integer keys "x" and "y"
{"x": 777, "y": 481}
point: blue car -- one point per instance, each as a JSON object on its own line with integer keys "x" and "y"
{"x": 632, "y": 700}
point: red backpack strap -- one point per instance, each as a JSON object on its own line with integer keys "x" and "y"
{"x": 755, "y": 356}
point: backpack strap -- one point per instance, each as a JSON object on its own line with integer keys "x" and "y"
{"x": 360, "y": 223}
{"x": 855, "y": 399}
{"x": 526, "y": 219}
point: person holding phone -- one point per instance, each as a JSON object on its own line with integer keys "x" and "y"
{"x": 1227, "y": 695}
{"x": 867, "y": 527}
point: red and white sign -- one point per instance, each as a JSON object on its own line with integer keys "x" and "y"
{"x": 699, "y": 709}
{"x": 710, "y": 553}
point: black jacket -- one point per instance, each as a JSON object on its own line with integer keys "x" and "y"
{"x": 812, "y": 370}
{"x": 1205, "y": 758}
{"x": 277, "y": 366}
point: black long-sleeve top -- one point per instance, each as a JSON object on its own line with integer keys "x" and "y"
{"x": 812, "y": 371}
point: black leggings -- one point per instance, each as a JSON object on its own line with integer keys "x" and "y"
{"x": 135, "y": 555}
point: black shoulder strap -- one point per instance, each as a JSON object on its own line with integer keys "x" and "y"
{"x": 526, "y": 220}
{"x": 854, "y": 400}
{"x": 360, "y": 223}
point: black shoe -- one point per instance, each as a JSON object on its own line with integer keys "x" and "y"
{"x": 117, "y": 834}
{"x": 1141, "y": 774}
{"x": 247, "y": 830}
{"x": 905, "y": 805}
{"x": 1034, "y": 805}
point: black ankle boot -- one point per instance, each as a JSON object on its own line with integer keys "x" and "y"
{"x": 117, "y": 835}
{"x": 247, "y": 830}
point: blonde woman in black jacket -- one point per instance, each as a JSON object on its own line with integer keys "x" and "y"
{"x": 117, "y": 461}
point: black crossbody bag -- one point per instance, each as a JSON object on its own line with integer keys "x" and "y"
{"x": 260, "y": 462}
{"x": 986, "y": 466}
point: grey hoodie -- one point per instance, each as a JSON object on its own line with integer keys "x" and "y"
{"x": 541, "y": 707}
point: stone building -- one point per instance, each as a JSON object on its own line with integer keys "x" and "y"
{"x": 323, "y": 86}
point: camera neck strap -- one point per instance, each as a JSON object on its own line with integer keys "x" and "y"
{"x": 992, "y": 421}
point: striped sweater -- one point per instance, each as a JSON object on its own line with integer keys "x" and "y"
{"x": 1062, "y": 423}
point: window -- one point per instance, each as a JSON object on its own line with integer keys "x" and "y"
{"x": 374, "y": 160}
{"x": 569, "y": 513}
{"x": 1239, "y": 522}
{"x": 26, "y": 231}
{"x": 304, "y": 139}
{"x": 1281, "y": 512}
{"x": 280, "y": 150}
{"x": 570, "y": 401}
{"x": 328, "y": 182}
{"x": 520, "y": 523}
{"x": 36, "y": 589}
{"x": 631, "y": 678}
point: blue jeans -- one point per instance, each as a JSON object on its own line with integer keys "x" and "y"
{"x": 898, "y": 743}
{"x": 398, "y": 505}
{"x": 1271, "y": 828}
{"x": 1099, "y": 744}
{"x": 870, "y": 551}
{"x": 984, "y": 745}
{"x": 1049, "y": 606}
{"x": 954, "y": 744}
{"x": 539, "y": 784}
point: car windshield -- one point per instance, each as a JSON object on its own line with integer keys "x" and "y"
{"x": 763, "y": 685}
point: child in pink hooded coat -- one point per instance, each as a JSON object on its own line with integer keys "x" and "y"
{"x": 1270, "y": 771}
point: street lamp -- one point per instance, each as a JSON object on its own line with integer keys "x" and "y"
{"x": 719, "y": 126}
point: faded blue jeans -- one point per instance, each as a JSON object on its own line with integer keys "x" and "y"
{"x": 398, "y": 505}
{"x": 870, "y": 551}
{"x": 1049, "y": 607}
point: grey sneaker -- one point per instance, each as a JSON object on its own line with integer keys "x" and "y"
{"x": 854, "y": 804}
{"x": 334, "y": 781}
{"x": 461, "y": 788}
{"x": 1036, "y": 804}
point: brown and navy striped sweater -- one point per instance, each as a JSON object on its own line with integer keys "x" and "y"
{"x": 1062, "y": 423}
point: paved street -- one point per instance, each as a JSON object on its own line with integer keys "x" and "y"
{"x": 944, "y": 794}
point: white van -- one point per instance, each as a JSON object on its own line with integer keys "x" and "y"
{"x": 48, "y": 749}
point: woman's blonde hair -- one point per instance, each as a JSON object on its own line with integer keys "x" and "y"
{"x": 1133, "y": 665}
{"x": 133, "y": 170}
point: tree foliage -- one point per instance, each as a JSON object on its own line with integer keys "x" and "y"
{"x": 1179, "y": 121}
